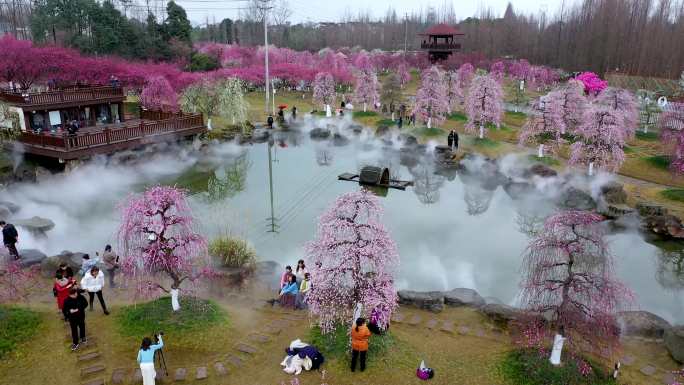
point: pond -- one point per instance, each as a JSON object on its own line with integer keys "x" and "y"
{"x": 452, "y": 229}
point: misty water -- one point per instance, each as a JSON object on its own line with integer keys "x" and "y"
{"x": 451, "y": 229}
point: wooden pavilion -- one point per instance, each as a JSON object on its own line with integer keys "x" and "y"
{"x": 440, "y": 41}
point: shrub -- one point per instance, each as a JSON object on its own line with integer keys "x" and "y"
{"x": 529, "y": 367}
{"x": 17, "y": 325}
{"x": 200, "y": 62}
{"x": 647, "y": 136}
{"x": 362, "y": 114}
{"x": 144, "y": 319}
{"x": 659, "y": 161}
{"x": 674, "y": 194}
{"x": 547, "y": 160}
{"x": 232, "y": 252}
{"x": 457, "y": 116}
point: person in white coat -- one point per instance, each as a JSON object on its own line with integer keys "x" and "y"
{"x": 93, "y": 282}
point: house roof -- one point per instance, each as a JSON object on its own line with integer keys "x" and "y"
{"x": 442, "y": 30}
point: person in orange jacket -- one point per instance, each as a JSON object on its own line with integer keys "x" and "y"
{"x": 360, "y": 335}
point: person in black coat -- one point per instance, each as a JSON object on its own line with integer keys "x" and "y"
{"x": 269, "y": 121}
{"x": 294, "y": 112}
{"x": 450, "y": 139}
{"x": 74, "y": 311}
{"x": 455, "y": 139}
{"x": 10, "y": 236}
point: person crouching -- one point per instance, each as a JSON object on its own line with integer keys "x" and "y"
{"x": 289, "y": 293}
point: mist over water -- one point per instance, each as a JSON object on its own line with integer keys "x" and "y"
{"x": 452, "y": 229}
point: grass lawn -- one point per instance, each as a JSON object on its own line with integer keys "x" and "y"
{"x": 431, "y": 132}
{"x": 675, "y": 194}
{"x": 528, "y": 367}
{"x": 547, "y": 160}
{"x": 17, "y": 325}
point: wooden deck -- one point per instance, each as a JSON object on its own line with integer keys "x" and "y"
{"x": 111, "y": 138}
{"x": 63, "y": 98}
{"x": 393, "y": 183}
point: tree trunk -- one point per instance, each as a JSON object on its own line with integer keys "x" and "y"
{"x": 328, "y": 111}
{"x": 591, "y": 168}
{"x": 174, "y": 300}
{"x": 429, "y": 123}
{"x": 646, "y": 128}
{"x": 557, "y": 349}
{"x": 365, "y": 106}
{"x": 481, "y": 131}
{"x": 392, "y": 115}
{"x": 540, "y": 153}
{"x": 209, "y": 124}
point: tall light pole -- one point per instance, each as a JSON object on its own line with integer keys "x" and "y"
{"x": 267, "y": 82}
{"x": 405, "y": 33}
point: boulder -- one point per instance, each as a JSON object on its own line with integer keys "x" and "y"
{"x": 540, "y": 170}
{"x": 518, "y": 190}
{"x": 494, "y": 300}
{"x": 5, "y": 213}
{"x": 614, "y": 193}
{"x": 260, "y": 135}
{"x": 463, "y": 297}
{"x": 319, "y": 133}
{"x": 573, "y": 198}
{"x": 501, "y": 314}
{"x": 76, "y": 260}
{"x": 49, "y": 265}
{"x": 642, "y": 324}
{"x": 30, "y": 257}
{"x": 340, "y": 140}
{"x": 668, "y": 226}
{"x": 646, "y": 209}
{"x": 410, "y": 140}
{"x": 674, "y": 342}
{"x": 36, "y": 225}
{"x": 382, "y": 130}
{"x": 356, "y": 128}
{"x": 13, "y": 208}
{"x": 428, "y": 300}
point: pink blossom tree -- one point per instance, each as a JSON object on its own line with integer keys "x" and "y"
{"x": 545, "y": 125}
{"x": 573, "y": 103}
{"x": 602, "y": 137}
{"x": 484, "y": 104}
{"x": 431, "y": 100}
{"x": 158, "y": 95}
{"x": 498, "y": 70}
{"x": 671, "y": 125}
{"x": 156, "y": 236}
{"x": 324, "y": 91}
{"x": 624, "y": 104}
{"x": 17, "y": 282}
{"x": 593, "y": 84}
{"x": 568, "y": 275}
{"x": 454, "y": 90}
{"x": 353, "y": 260}
{"x": 465, "y": 74}
{"x": 366, "y": 88}
{"x": 404, "y": 74}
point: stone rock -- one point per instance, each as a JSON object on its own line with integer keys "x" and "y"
{"x": 260, "y": 135}
{"x": 501, "y": 314}
{"x": 518, "y": 190}
{"x": 356, "y": 128}
{"x": 5, "y": 213}
{"x": 614, "y": 193}
{"x": 319, "y": 133}
{"x": 431, "y": 300}
{"x": 220, "y": 369}
{"x": 665, "y": 225}
{"x": 573, "y": 198}
{"x": 540, "y": 170}
{"x": 494, "y": 300}
{"x": 76, "y": 260}
{"x": 181, "y": 374}
{"x": 642, "y": 324}
{"x": 42, "y": 174}
{"x": 201, "y": 373}
{"x": 382, "y": 130}
{"x": 13, "y": 208}
{"x": 340, "y": 140}
{"x": 35, "y": 225}
{"x": 646, "y": 209}
{"x": 118, "y": 376}
{"x": 674, "y": 342}
{"x": 30, "y": 257}
{"x": 49, "y": 265}
{"x": 463, "y": 297}
{"x": 410, "y": 140}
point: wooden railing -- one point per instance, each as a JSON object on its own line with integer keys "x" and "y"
{"x": 124, "y": 133}
{"x": 442, "y": 46}
{"x": 63, "y": 96}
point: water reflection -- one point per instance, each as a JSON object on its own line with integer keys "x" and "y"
{"x": 227, "y": 181}
{"x": 477, "y": 199}
{"x": 670, "y": 269}
{"x": 426, "y": 183}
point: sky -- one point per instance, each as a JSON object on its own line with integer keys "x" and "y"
{"x": 327, "y": 10}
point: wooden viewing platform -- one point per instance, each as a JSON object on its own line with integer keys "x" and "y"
{"x": 64, "y": 97}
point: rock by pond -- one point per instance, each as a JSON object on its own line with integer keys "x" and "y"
{"x": 427, "y": 300}
{"x": 674, "y": 342}
{"x": 260, "y": 135}
{"x": 500, "y": 313}
{"x": 35, "y": 225}
{"x": 319, "y": 133}
{"x": 614, "y": 193}
{"x": 574, "y": 198}
{"x": 642, "y": 324}
{"x": 340, "y": 140}
{"x": 49, "y": 265}
{"x": 540, "y": 170}
{"x": 463, "y": 297}
{"x": 30, "y": 257}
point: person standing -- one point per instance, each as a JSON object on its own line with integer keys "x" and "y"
{"x": 304, "y": 288}
{"x": 93, "y": 282}
{"x": 74, "y": 309}
{"x": 455, "y": 139}
{"x": 360, "y": 335}
{"x": 87, "y": 264}
{"x": 146, "y": 359}
{"x": 269, "y": 121}
{"x": 10, "y": 237}
{"x": 111, "y": 262}
{"x": 63, "y": 284}
{"x": 450, "y": 139}
{"x": 294, "y": 112}
{"x": 300, "y": 271}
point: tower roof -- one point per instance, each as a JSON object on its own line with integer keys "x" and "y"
{"x": 442, "y": 30}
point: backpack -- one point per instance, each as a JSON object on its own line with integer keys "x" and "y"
{"x": 423, "y": 372}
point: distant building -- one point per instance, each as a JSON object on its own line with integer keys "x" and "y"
{"x": 440, "y": 41}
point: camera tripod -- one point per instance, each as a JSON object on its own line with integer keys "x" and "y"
{"x": 159, "y": 357}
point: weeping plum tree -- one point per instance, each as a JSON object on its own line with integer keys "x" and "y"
{"x": 353, "y": 260}
{"x": 158, "y": 95}
{"x": 454, "y": 90}
{"x": 465, "y": 74}
{"x": 223, "y": 97}
{"x": 625, "y": 105}
{"x": 404, "y": 74}
{"x": 498, "y": 70}
{"x": 391, "y": 90}
{"x": 484, "y": 104}
{"x": 545, "y": 125}
{"x": 574, "y": 103}
{"x": 16, "y": 281}
{"x": 366, "y": 88}
{"x": 671, "y": 125}
{"x": 568, "y": 274}
{"x": 431, "y": 99}
{"x": 602, "y": 137}
{"x": 156, "y": 236}
{"x": 324, "y": 91}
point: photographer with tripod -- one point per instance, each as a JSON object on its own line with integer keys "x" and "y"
{"x": 146, "y": 356}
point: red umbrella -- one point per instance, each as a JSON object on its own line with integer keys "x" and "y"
{"x": 282, "y": 106}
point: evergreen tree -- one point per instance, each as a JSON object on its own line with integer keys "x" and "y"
{"x": 177, "y": 24}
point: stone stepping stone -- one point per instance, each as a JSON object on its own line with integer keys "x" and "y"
{"x": 648, "y": 370}
{"x": 88, "y": 356}
{"x": 398, "y": 318}
{"x": 431, "y": 324}
{"x": 98, "y": 381}
{"x": 244, "y": 348}
{"x": 669, "y": 378}
{"x": 627, "y": 360}
{"x": 201, "y": 373}
{"x": 180, "y": 374}
{"x": 92, "y": 370}
{"x": 235, "y": 360}
{"x": 220, "y": 369}
{"x": 271, "y": 330}
{"x": 463, "y": 330}
{"x": 118, "y": 376}
{"x": 415, "y": 320}
{"x": 259, "y": 338}
{"x": 448, "y": 326}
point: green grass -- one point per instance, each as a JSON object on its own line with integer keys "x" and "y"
{"x": 337, "y": 344}
{"x": 628, "y": 150}
{"x": 457, "y": 116}
{"x": 17, "y": 325}
{"x": 142, "y": 319}
{"x": 673, "y": 194}
{"x": 518, "y": 115}
{"x": 658, "y": 161}
{"x": 485, "y": 142}
{"x": 547, "y": 160}
{"x": 528, "y": 367}
{"x": 366, "y": 114}
{"x": 648, "y": 136}
{"x": 385, "y": 122}
{"x": 428, "y": 132}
